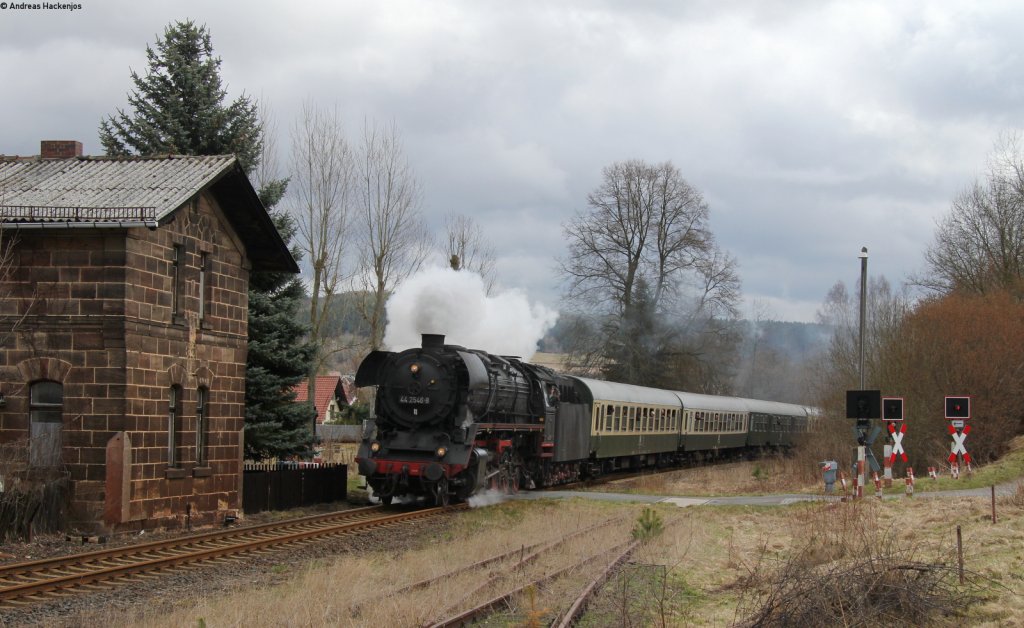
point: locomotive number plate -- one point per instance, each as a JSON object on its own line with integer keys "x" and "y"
{"x": 418, "y": 401}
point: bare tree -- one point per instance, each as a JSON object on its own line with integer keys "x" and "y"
{"x": 979, "y": 244}
{"x": 644, "y": 259}
{"x": 468, "y": 249}
{"x": 266, "y": 175}
{"x": 321, "y": 187}
{"x": 838, "y": 371}
{"x": 644, "y": 221}
{"x": 394, "y": 241}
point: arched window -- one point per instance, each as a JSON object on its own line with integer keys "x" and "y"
{"x": 46, "y": 419}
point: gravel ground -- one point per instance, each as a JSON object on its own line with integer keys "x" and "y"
{"x": 264, "y": 569}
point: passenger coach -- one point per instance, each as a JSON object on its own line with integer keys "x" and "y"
{"x": 633, "y": 426}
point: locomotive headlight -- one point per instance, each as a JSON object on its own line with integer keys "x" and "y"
{"x": 441, "y": 451}
{"x": 374, "y": 446}
{"x": 414, "y": 368}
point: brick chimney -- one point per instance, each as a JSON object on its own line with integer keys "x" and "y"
{"x": 59, "y": 149}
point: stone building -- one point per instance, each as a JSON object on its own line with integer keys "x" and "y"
{"x": 123, "y": 330}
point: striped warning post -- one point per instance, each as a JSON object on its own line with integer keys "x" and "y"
{"x": 910, "y": 481}
{"x": 878, "y": 485}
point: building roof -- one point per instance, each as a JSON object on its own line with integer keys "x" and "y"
{"x": 125, "y": 192}
{"x": 328, "y": 387}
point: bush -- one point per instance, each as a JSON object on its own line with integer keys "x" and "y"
{"x": 850, "y": 573}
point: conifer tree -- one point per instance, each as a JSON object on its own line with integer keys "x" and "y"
{"x": 279, "y": 358}
{"x": 178, "y": 106}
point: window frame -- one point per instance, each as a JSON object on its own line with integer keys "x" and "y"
{"x": 202, "y": 424}
{"x": 174, "y": 413}
{"x": 177, "y": 263}
{"x": 204, "y": 284}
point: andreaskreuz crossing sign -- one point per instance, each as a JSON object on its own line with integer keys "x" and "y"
{"x": 897, "y": 442}
{"x": 958, "y": 444}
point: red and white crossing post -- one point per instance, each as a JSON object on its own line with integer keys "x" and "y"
{"x": 892, "y": 413}
{"x": 958, "y": 411}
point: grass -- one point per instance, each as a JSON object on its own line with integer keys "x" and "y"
{"x": 1007, "y": 469}
{"x": 799, "y": 474}
{"x": 699, "y": 566}
{"x": 709, "y": 566}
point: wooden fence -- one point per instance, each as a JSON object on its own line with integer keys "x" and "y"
{"x": 285, "y": 485}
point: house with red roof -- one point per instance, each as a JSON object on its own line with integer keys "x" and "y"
{"x": 330, "y": 395}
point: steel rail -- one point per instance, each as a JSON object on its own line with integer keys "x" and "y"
{"x": 13, "y": 569}
{"x": 124, "y": 566}
{"x": 487, "y": 607}
{"x": 580, "y": 603}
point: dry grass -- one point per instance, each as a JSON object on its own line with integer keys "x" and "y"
{"x": 353, "y": 590}
{"x": 708, "y": 567}
{"x": 713, "y": 566}
{"x": 774, "y": 474}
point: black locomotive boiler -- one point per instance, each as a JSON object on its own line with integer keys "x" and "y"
{"x": 451, "y": 421}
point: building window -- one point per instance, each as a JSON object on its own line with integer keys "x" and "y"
{"x": 173, "y": 428}
{"x": 177, "y": 261}
{"x": 204, "y": 266}
{"x": 202, "y": 427}
{"x": 46, "y": 415}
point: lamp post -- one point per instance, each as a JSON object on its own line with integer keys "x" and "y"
{"x": 863, "y": 306}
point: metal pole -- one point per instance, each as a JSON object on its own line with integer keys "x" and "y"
{"x": 863, "y": 306}
{"x": 960, "y": 554}
{"x": 862, "y": 425}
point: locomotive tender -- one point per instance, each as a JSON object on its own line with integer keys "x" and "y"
{"x": 451, "y": 421}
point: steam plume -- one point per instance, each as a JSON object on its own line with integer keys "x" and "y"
{"x": 455, "y": 303}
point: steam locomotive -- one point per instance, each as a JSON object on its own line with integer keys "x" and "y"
{"x": 452, "y": 421}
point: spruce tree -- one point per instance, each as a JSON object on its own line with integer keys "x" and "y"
{"x": 178, "y": 106}
{"x": 279, "y": 358}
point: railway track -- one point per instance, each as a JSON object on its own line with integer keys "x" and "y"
{"x": 36, "y": 581}
{"x": 606, "y": 561}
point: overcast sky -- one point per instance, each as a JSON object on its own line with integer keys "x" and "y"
{"x": 812, "y": 128}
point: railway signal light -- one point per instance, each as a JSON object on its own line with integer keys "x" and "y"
{"x": 958, "y": 407}
{"x": 892, "y": 408}
{"x": 863, "y": 404}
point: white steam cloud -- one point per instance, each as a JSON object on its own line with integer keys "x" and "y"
{"x": 490, "y": 497}
{"x": 455, "y": 304}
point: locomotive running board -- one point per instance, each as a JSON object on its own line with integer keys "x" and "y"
{"x": 510, "y": 427}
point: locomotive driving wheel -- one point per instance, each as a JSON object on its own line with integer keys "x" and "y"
{"x": 507, "y": 479}
{"x": 440, "y": 490}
